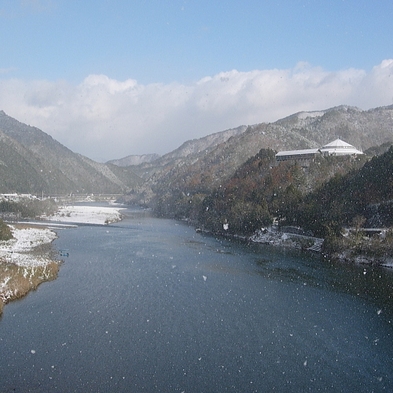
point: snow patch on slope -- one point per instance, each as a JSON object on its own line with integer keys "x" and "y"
{"x": 305, "y": 115}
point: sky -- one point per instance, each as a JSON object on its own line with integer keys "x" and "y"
{"x": 111, "y": 78}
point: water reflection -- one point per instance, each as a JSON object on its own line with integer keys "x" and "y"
{"x": 372, "y": 283}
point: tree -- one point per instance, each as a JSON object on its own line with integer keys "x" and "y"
{"x": 5, "y": 231}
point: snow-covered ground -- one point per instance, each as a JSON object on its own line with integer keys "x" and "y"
{"x": 87, "y": 214}
{"x": 276, "y": 237}
{"x": 22, "y": 266}
{"x": 19, "y": 250}
{"x": 28, "y": 261}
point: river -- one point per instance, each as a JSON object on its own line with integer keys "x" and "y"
{"x": 149, "y": 305}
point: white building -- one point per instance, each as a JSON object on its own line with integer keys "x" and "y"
{"x": 306, "y": 154}
{"x": 339, "y": 148}
{"x": 335, "y": 148}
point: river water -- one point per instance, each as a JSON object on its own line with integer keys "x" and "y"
{"x": 149, "y": 305}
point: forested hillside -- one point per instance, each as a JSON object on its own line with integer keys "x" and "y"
{"x": 201, "y": 166}
{"x": 361, "y": 196}
{"x": 31, "y": 161}
{"x": 330, "y": 195}
{"x": 262, "y": 190}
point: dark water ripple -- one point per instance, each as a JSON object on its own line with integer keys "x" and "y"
{"x": 149, "y": 305}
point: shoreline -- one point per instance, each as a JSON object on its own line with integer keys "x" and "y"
{"x": 275, "y": 237}
{"x": 29, "y": 259}
{"x": 26, "y": 261}
{"x": 294, "y": 238}
{"x": 290, "y": 238}
{"x": 85, "y": 214}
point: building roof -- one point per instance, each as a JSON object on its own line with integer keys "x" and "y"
{"x": 338, "y": 143}
{"x": 296, "y": 152}
{"x": 339, "y": 147}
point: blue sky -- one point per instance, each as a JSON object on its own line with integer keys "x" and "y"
{"x": 147, "y": 71}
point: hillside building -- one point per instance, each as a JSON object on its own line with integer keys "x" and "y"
{"x": 340, "y": 148}
{"x": 336, "y": 148}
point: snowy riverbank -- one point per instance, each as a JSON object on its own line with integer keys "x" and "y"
{"x": 84, "y": 214}
{"x": 291, "y": 238}
{"x": 26, "y": 261}
{"x": 22, "y": 250}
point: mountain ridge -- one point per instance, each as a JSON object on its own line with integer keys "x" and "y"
{"x": 134, "y": 159}
{"x": 34, "y": 162}
{"x": 206, "y": 170}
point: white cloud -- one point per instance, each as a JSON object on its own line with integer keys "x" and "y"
{"x": 103, "y": 118}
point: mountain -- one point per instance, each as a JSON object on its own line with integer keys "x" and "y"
{"x": 31, "y": 161}
{"x": 189, "y": 152}
{"x": 193, "y": 169}
{"x": 360, "y": 128}
{"x": 177, "y": 165}
{"x": 204, "y": 145}
{"x": 134, "y": 160}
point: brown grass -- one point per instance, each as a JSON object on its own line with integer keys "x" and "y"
{"x": 22, "y": 280}
{"x": 21, "y": 225}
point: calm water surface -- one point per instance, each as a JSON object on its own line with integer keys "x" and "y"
{"x": 148, "y": 305}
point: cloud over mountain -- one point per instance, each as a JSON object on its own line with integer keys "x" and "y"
{"x": 103, "y": 118}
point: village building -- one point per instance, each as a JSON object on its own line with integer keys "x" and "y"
{"x": 16, "y": 197}
{"x": 339, "y": 148}
{"x": 306, "y": 154}
{"x": 336, "y": 148}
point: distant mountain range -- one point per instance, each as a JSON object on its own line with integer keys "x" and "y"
{"x": 32, "y": 161}
{"x": 134, "y": 160}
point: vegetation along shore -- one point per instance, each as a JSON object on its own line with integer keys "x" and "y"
{"x": 345, "y": 200}
{"x": 26, "y": 260}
